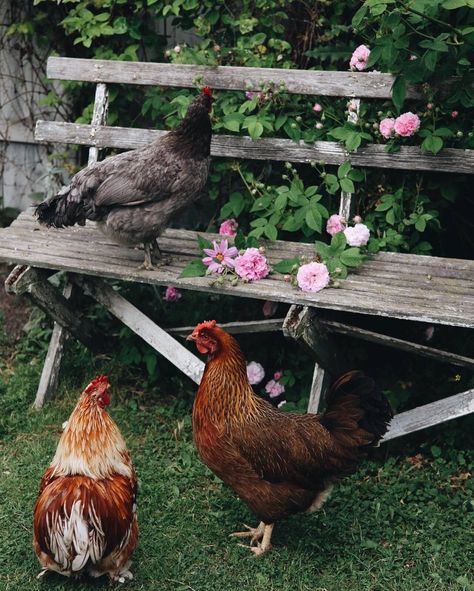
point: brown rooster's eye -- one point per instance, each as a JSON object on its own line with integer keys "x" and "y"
{"x": 204, "y": 336}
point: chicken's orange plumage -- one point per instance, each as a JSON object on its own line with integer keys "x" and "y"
{"x": 85, "y": 515}
{"x": 279, "y": 463}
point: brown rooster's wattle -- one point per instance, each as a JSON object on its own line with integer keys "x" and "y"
{"x": 279, "y": 463}
{"x": 134, "y": 195}
{"x": 85, "y": 516}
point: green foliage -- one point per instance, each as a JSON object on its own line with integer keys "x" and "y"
{"x": 420, "y": 42}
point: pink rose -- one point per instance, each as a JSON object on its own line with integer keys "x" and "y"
{"x": 412, "y": 57}
{"x": 358, "y": 235}
{"x": 319, "y": 125}
{"x": 277, "y": 375}
{"x": 387, "y": 127}
{"x": 359, "y": 58}
{"x": 228, "y": 228}
{"x": 252, "y": 265}
{"x": 454, "y": 114}
{"x": 357, "y": 219}
{"x": 172, "y": 294}
{"x": 407, "y": 124}
{"x": 317, "y": 107}
{"x": 429, "y": 106}
{"x": 255, "y": 373}
{"x": 335, "y": 224}
{"x": 313, "y": 277}
{"x": 274, "y": 389}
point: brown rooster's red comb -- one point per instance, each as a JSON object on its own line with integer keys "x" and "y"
{"x": 206, "y": 324}
{"x": 207, "y": 90}
{"x": 99, "y": 380}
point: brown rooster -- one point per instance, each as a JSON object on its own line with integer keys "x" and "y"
{"x": 85, "y": 516}
{"x": 279, "y": 463}
{"x": 134, "y": 195}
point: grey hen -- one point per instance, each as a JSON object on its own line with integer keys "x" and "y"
{"x": 134, "y": 195}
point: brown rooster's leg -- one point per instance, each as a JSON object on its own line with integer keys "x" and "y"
{"x": 153, "y": 256}
{"x": 255, "y": 533}
{"x": 265, "y": 544}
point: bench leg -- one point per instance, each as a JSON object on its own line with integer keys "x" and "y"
{"x": 52, "y": 364}
{"x": 151, "y": 333}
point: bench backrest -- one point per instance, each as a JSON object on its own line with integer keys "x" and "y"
{"x": 357, "y": 85}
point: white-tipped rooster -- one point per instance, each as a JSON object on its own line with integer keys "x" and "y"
{"x": 85, "y": 516}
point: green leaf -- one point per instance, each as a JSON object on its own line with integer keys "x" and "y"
{"x": 233, "y": 121}
{"x": 359, "y": 16}
{"x": 453, "y": 4}
{"x": 432, "y": 144}
{"x": 285, "y": 266}
{"x": 309, "y": 191}
{"x": 237, "y": 203}
{"x": 347, "y": 185}
{"x": 338, "y": 243}
{"x": 281, "y": 201}
{"x": 240, "y": 241}
{"x": 203, "y": 242}
{"x": 270, "y": 232}
{"x": 443, "y": 132}
{"x": 292, "y": 224}
{"x": 314, "y": 220}
{"x": 420, "y": 224}
{"x": 280, "y": 121}
{"x": 356, "y": 175}
{"x": 399, "y": 91}
{"x": 352, "y": 257}
{"x": 193, "y": 269}
{"x": 353, "y": 141}
{"x": 322, "y": 249}
{"x": 343, "y": 170}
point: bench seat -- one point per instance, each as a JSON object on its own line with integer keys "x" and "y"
{"x": 412, "y": 287}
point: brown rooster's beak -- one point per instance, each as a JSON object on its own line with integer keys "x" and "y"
{"x": 191, "y": 337}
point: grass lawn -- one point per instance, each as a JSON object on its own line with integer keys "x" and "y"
{"x": 398, "y": 524}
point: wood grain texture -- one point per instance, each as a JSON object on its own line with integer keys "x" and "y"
{"x": 313, "y": 82}
{"x": 415, "y": 296}
{"x": 431, "y": 414}
{"x": 229, "y": 146}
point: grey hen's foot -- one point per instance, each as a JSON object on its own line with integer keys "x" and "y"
{"x": 154, "y": 258}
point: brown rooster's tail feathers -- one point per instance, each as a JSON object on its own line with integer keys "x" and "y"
{"x": 357, "y": 413}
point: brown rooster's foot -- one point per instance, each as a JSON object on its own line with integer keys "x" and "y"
{"x": 255, "y": 533}
{"x": 259, "y": 549}
{"x": 264, "y": 533}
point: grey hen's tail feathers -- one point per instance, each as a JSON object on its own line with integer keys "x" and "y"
{"x": 60, "y": 211}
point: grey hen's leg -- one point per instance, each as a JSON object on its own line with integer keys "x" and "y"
{"x": 153, "y": 256}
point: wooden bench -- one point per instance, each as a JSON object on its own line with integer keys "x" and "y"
{"x": 404, "y": 286}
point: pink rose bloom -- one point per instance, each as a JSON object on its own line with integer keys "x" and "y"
{"x": 412, "y": 58}
{"x": 220, "y": 256}
{"x": 357, "y": 219}
{"x": 172, "y": 294}
{"x": 317, "y": 107}
{"x": 277, "y": 375}
{"x": 255, "y": 373}
{"x": 387, "y": 127}
{"x": 313, "y": 277}
{"x": 407, "y": 124}
{"x": 358, "y": 235}
{"x": 335, "y": 224}
{"x": 269, "y": 308}
{"x": 252, "y": 265}
{"x": 454, "y": 114}
{"x": 228, "y": 228}
{"x": 359, "y": 58}
{"x": 318, "y": 125}
{"x": 274, "y": 389}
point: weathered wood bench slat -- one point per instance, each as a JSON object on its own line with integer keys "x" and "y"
{"x": 385, "y": 264}
{"x": 314, "y": 82}
{"x": 47, "y": 248}
{"x": 228, "y": 146}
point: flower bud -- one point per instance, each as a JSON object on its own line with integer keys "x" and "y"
{"x": 287, "y": 278}
{"x": 357, "y": 219}
{"x": 459, "y": 134}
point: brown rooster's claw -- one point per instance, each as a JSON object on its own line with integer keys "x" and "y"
{"x": 260, "y": 538}
{"x": 255, "y": 533}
